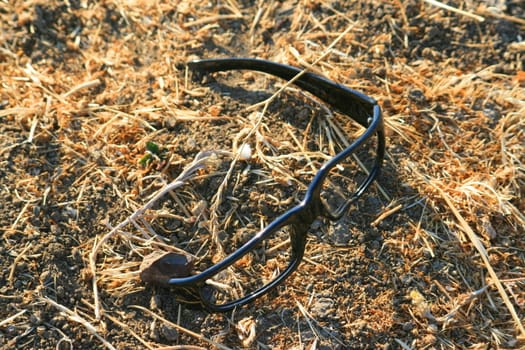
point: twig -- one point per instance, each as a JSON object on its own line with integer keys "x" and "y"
{"x": 386, "y": 214}
{"x": 484, "y": 256}
{"x": 15, "y": 262}
{"x": 211, "y": 19}
{"x": 12, "y": 318}
{"x": 18, "y": 110}
{"x": 71, "y": 315}
{"x": 514, "y": 19}
{"x": 13, "y": 226}
{"x": 456, "y": 10}
{"x": 180, "y": 328}
{"x": 130, "y": 331}
{"x": 85, "y": 85}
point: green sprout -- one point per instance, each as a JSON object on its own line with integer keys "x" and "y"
{"x": 152, "y": 153}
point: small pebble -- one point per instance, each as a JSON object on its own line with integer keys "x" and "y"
{"x": 169, "y": 333}
{"x": 417, "y": 96}
{"x": 323, "y": 307}
{"x": 35, "y": 319}
{"x": 10, "y": 330}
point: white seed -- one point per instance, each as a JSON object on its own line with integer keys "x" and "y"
{"x": 245, "y": 152}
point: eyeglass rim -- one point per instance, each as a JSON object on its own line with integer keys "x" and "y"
{"x": 298, "y": 248}
{"x": 373, "y": 124}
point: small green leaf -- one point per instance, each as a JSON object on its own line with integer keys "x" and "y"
{"x": 152, "y": 147}
{"x": 144, "y": 161}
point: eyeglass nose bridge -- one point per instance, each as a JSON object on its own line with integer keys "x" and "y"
{"x": 314, "y": 206}
{"x": 313, "y": 195}
{"x": 333, "y": 214}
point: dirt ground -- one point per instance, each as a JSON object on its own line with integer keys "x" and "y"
{"x": 97, "y": 114}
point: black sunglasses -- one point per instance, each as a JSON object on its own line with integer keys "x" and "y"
{"x": 295, "y": 222}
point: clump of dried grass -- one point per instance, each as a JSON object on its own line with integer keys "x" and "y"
{"x": 476, "y": 179}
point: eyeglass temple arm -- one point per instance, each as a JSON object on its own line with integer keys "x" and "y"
{"x": 356, "y": 105}
{"x": 348, "y": 101}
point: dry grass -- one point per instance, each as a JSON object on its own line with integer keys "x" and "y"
{"x": 84, "y": 87}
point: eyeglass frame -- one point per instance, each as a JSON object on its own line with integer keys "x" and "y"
{"x": 354, "y": 104}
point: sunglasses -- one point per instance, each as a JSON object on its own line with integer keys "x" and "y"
{"x": 266, "y": 258}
